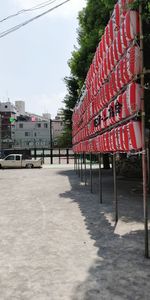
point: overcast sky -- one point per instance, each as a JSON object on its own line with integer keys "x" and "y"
{"x": 33, "y": 60}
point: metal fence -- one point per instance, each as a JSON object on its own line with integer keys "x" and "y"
{"x": 54, "y": 156}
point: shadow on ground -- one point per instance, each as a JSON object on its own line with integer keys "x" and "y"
{"x": 120, "y": 270}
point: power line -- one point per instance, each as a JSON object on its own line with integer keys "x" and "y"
{"x": 12, "y": 29}
{"x": 36, "y": 7}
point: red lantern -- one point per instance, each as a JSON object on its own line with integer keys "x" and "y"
{"x": 134, "y": 65}
{"x": 115, "y": 51}
{"x": 132, "y": 24}
{"x": 119, "y": 44}
{"x": 113, "y": 141}
{"x": 106, "y": 141}
{"x": 111, "y": 30}
{"x": 107, "y": 36}
{"x": 125, "y": 41}
{"x": 108, "y": 62}
{"x": 107, "y": 93}
{"x": 112, "y": 60}
{"x": 117, "y": 15}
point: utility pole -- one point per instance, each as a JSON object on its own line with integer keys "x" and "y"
{"x": 144, "y": 164}
{"x": 51, "y": 141}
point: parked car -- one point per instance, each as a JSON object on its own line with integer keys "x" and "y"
{"x": 17, "y": 161}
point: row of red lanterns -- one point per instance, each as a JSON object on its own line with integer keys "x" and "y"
{"x": 126, "y": 104}
{"x": 108, "y": 54}
{"x": 126, "y": 70}
{"x": 131, "y": 24}
{"x": 122, "y": 139}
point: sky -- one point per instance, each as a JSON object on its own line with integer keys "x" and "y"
{"x": 33, "y": 60}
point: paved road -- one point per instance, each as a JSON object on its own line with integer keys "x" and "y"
{"x": 57, "y": 242}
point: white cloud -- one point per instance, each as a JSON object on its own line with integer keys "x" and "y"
{"x": 66, "y": 11}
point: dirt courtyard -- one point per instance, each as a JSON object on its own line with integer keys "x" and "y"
{"x": 57, "y": 242}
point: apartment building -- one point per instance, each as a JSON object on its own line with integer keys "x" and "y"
{"x": 8, "y": 115}
{"x": 31, "y": 131}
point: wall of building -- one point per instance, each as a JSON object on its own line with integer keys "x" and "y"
{"x": 28, "y": 134}
{"x": 7, "y": 111}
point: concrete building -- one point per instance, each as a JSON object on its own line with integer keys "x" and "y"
{"x": 8, "y": 114}
{"x": 31, "y": 132}
{"x": 20, "y": 130}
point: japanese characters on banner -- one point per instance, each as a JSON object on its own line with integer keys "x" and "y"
{"x": 104, "y": 119}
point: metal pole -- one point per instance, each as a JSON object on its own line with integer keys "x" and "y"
{"x": 51, "y": 156}
{"x": 100, "y": 179}
{"x": 115, "y": 189}
{"x": 34, "y": 153}
{"x": 85, "y": 175}
{"x": 59, "y": 157}
{"x": 43, "y": 156}
{"x": 51, "y": 142}
{"x": 91, "y": 179}
{"x": 74, "y": 162}
{"x": 67, "y": 154}
{"x": 78, "y": 164}
{"x": 81, "y": 173}
{"x": 148, "y": 170}
{"x": 144, "y": 165}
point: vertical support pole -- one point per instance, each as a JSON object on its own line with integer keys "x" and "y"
{"x": 81, "y": 158}
{"x": 51, "y": 156}
{"x": 100, "y": 179}
{"x": 85, "y": 171}
{"x": 148, "y": 170}
{"x": 91, "y": 179}
{"x": 78, "y": 164}
{"x": 51, "y": 142}
{"x": 144, "y": 164}
{"x": 74, "y": 162}
{"x": 67, "y": 154}
{"x": 34, "y": 153}
{"x": 43, "y": 156}
{"x": 59, "y": 156}
{"x": 115, "y": 189}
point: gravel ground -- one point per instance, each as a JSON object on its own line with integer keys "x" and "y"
{"x": 58, "y": 242}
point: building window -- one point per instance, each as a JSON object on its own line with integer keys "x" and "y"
{"x": 34, "y": 133}
{"x": 39, "y": 125}
{"x": 27, "y": 133}
{"x": 45, "y": 125}
{"x": 6, "y": 106}
{"x": 20, "y": 125}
